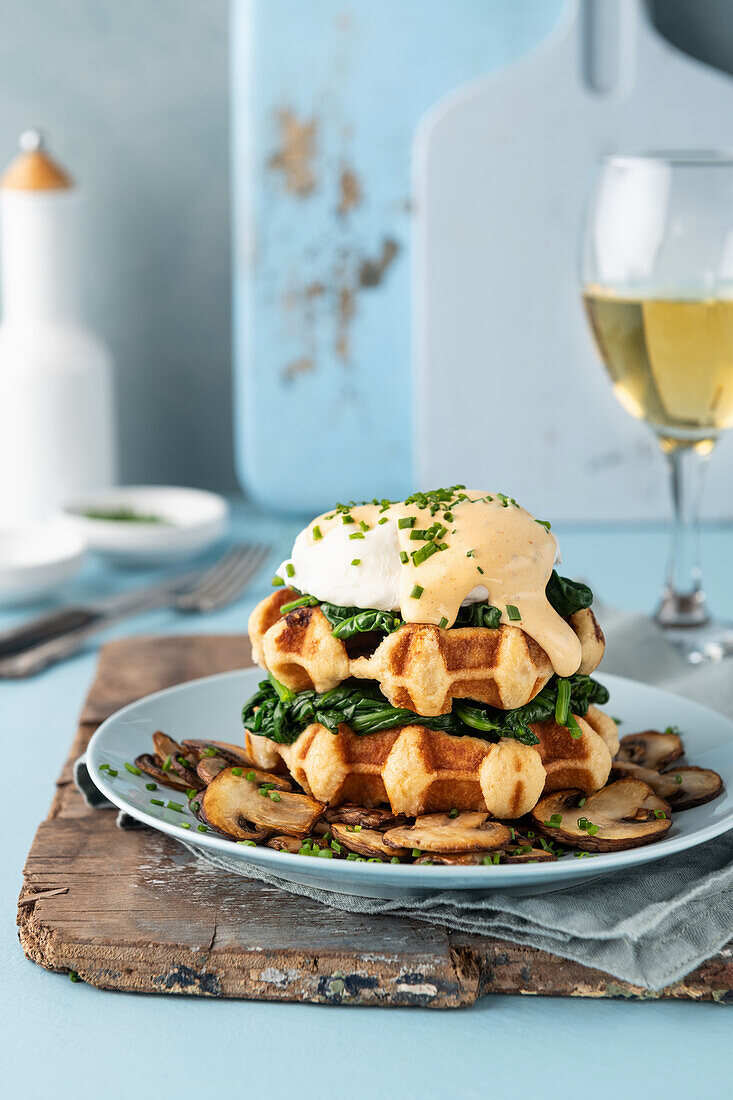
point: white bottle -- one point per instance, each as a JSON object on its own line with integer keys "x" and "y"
{"x": 57, "y": 426}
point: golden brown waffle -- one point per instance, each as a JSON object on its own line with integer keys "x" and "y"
{"x": 420, "y": 667}
{"x": 417, "y": 770}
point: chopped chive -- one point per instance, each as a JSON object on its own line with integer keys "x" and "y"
{"x": 73, "y": 976}
{"x": 394, "y": 859}
{"x": 678, "y": 779}
{"x": 443, "y": 623}
{"x": 336, "y": 847}
{"x": 416, "y": 852}
{"x": 251, "y": 776}
{"x": 132, "y": 769}
{"x": 555, "y": 820}
{"x": 185, "y": 824}
{"x": 276, "y": 581}
{"x": 425, "y": 552}
{"x": 513, "y": 612}
{"x": 582, "y": 803}
{"x": 357, "y": 535}
{"x": 348, "y": 519}
{"x": 202, "y": 828}
{"x": 442, "y": 545}
{"x": 562, "y": 705}
{"x": 196, "y": 806}
{"x": 420, "y": 536}
{"x": 406, "y": 521}
{"x": 103, "y": 767}
{"x": 190, "y": 793}
{"x": 275, "y": 797}
{"x": 383, "y": 520}
{"x": 470, "y": 553}
{"x": 417, "y": 592}
{"x": 357, "y": 828}
{"x": 660, "y": 813}
{"x": 209, "y": 751}
{"x": 112, "y": 772}
{"x": 151, "y": 786}
{"x": 544, "y": 523}
{"x": 247, "y": 843}
{"x": 403, "y": 557}
{"x": 448, "y": 516}
{"x": 356, "y": 561}
{"x": 592, "y": 829}
{"x": 325, "y": 853}
{"x": 237, "y": 771}
{"x": 290, "y": 569}
{"x": 453, "y": 813}
{"x": 364, "y": 526}
{"x": 167, "y": 764}
{"x": 174, "y": 806}
{"x": 157, "y": 802}
{"x": 317, "y": 533}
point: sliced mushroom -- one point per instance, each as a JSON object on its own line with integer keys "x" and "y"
{"x": 209, "y": 767}
{"x": 230, "y": 799}
{"x": 290, "y": 844}
{"x": 148, "y": 764}
{"x": 625, "y": 814}
{"x": 233, "y": 754}
{"x": 693, "y": 786}
{"x": 534, "y": 855}
{"x": 348, "y": 814}
{"x": 650, "y": 749}
{"x": 663, "y": 785}
{"x": 172, "y": 758}
{"x": 450, "y": 859}
{"x": 365, "y": 842}
{"x": 467, "y": 832}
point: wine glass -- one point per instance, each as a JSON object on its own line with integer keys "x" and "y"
{"x": 657, "y": 279}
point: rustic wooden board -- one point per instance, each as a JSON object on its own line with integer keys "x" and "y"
{"x": 133, "y": 910}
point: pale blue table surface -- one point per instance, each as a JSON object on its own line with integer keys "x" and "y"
{"x": 61, "y": 1039}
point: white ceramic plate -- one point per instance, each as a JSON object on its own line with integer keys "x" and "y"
{"x": 194, "y": 519}
{"x": 211, "y": 707}
{"x": 37, "y": 559}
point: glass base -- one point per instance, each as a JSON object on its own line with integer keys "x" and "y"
{"x": 686, "y": 610}
{"x": 711, "y": 641}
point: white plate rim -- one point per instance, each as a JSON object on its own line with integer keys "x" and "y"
{"x": 431, "y": 877}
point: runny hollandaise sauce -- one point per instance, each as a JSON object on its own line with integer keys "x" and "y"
{"x": 448, "y": 548}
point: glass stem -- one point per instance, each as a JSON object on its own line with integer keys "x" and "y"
{"x": 683, "y": 598}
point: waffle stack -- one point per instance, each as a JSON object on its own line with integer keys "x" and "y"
{"x": 424, "y": 669}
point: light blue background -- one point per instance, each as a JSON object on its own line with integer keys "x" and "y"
{"x": 135, "y": 97}
{"x": 69, "y": 1040}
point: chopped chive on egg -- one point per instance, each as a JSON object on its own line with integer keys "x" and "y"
{"x": 290, "y": 569}
{"x": 417, "y": 592}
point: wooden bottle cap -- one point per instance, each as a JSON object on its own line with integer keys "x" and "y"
{"x": 33, "y": 169}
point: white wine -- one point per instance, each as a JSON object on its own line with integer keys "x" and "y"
{"x": 670, "y": 361}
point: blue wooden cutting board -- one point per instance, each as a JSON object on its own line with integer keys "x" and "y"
{"x": 326, "y": 98}
{"x": 510, "y": 392}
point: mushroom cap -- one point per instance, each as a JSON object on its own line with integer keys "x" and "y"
{"x": 365, "y": 842}
{"x": 232, "y": 802}
{"x": 148, "y": 764}
{"x": 625, "y": 814}
{"x": 650, "y": 748}
{"x": 466, "y": 832}
{"x": 693, "y": 786}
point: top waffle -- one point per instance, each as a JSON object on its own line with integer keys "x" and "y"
{"x": 420, "y": 667}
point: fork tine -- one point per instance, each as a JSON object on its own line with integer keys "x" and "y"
{"x": 214, "y": 573}
{"x": 221, "y": 587}
{"x": 239, "y": 576}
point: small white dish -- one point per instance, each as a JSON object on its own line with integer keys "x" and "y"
{"x": 184, "y": 522}
{"x": 192, "y": 710}
{"x": 37, "y": 559}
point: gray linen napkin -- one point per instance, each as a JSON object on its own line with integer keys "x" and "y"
{"x": 649, "y": 926}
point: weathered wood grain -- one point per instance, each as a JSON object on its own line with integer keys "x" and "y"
{"x": 140, "y": 913}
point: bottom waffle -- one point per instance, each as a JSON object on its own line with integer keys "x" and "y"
{"x": 417, "y": 770}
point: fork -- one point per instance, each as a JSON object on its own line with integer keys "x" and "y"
{"x": 54, "y": 637}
